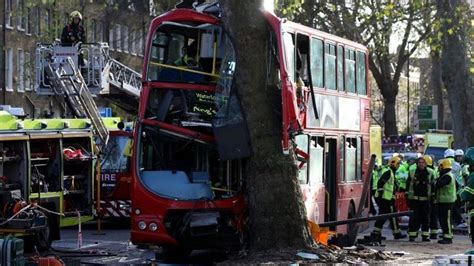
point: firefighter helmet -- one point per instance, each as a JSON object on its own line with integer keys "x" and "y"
{"x": 76, "y": 14}
{"x": 458, "y": 152}
{"x": 428, "y": 160}
{"x": 448, "y": 153}
{"x": 445, "y": 164}
{"x": 469, "y": 157}
{"x": 394, "y": 161}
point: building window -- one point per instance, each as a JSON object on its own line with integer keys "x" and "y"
{"x": 28, "y": 72}
{"x": 140, "y": 43}
{"x": 47, "y": 22}
{"x": 99, "y": 36}
{"x": 20, "y": 71}
{"x": 8, "y": 14}
{"x": 92, "y": 32}
{"x": 9, "y": 69}
{"x": 124, "y": 39}
{"x": 118, "y": 38}
{"x": 111, "y": 38}
{"x": 21, "y": 12}
{"x": 28, "y": 21}
{"x": 38, "y": 21}
{"x": 133, "y": 41}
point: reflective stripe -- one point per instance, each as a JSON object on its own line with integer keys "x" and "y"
{"x": 450, "y": 229}
{"x": 377, "y": 230}
{"x": 420, "y": 198}
{"x": 425, "y": 233}
{"x": 413, "y": 234}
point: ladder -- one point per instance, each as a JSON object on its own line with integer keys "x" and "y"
{"x": 68, "y": 82}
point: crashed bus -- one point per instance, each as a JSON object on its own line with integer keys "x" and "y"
{"x": 191, "y": 141}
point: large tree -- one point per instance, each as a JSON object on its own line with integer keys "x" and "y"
{"x": 276, "y": 211}
{"x": 455, "y": 72}
{"x": 375, "y": 24}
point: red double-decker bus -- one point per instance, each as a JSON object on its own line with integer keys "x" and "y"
{"x": 190, "y": 140}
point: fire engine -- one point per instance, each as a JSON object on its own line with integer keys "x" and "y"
{"x": 48, "y": 166}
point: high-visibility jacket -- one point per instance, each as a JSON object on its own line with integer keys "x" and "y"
{"x": 375, "y": 179}
{"x": 420, "y": 188}
{"x": 447, "y": 193}
{"x": 401, "y": 175}
{"x": 386, "y": 190}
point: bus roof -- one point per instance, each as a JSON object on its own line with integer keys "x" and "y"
{"x": 272, "y": 18}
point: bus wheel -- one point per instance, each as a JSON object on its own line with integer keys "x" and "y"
{"x": 350, "y": 215}
{"x": 43, "y": 237}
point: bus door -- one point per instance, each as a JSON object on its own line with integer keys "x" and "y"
{"x": 330, "y": 180}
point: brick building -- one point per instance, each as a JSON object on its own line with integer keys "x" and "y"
{"x": 123, "y": 24}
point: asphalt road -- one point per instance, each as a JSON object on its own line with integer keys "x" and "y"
{"x": 112, "y": 247}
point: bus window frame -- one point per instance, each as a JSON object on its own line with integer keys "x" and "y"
{"x": 335, "y": 44}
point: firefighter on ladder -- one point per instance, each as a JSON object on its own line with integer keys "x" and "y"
{"x": 445, "y": 198}
{"x": 73, "y": 32}
{"x": 419, "y": 185}
{"x": 467, "y": 193}
{"x": 386, "y": 188}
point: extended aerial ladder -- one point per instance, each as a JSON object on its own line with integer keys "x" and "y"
{"x": 78, "y": 75}
{"x": 68, "y": 82}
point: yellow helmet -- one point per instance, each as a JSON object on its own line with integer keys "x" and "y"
{"x": 428, "y": 160}
{"x": 75, "y": 14}
{"x": 394, "y": 161}
{"x": 445, "y": 164}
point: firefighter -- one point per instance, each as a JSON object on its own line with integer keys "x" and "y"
{"x": 445, "y": 198}
{"x": 456, "y": 171}
{"x": 73, "y": 32}
{"x": 401, "y": 175}
{"x": 467, "y": 193}
{"x": 419, "y": 185}
{"x": 385, "y": 195}
{"x": 433, "y": 207}
{"x": 459, "y": 158}
{"x": 373, "y": 181}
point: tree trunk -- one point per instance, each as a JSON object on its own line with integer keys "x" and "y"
{"x": 276, "y": 210}
{"x": 456, "y": 76}
{"x": 389, "y": 94}
{"x": 436, "y": 86}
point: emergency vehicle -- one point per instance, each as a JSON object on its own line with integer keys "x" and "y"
{"x": 47, "y": 173}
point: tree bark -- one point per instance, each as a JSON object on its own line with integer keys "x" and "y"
{"x": 455, "y": 74}
{"x": 277, "y": 216}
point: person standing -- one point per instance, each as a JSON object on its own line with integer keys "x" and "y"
{"x": 467, "y": 193}
{"x": 385, "y": 195}
{"x": 73, "y": 32}
{"x": 419, "y": 185}
{"x": 445, "y": 198}
{"x": 433, "y": 207}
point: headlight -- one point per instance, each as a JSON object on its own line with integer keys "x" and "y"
{"x": 142, "y": 225}
{"x": 153, "y": 226}
{"x": 137, "y": 211}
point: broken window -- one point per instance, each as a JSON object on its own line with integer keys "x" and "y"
{"x": 114, "y": 159}
{"x": 229, "y": 126}
{"x": 181, "y": 168}
{"x": 186, "y": 52}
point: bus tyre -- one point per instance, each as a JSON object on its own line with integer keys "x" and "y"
{"x": 350, "y": 215}
{"x": 43, "y": 238}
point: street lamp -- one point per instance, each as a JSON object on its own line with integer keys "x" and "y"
{"x": 408, "y": 89}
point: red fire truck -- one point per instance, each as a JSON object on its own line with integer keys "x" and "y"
{"x": 115, "y": 171}
{"x": 190, "y": 141}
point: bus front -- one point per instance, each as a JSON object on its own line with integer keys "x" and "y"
{"x": 185, "y": 192}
